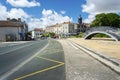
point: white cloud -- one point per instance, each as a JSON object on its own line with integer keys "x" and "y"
{"x": 90, "y": 18}
{"x": 23, "y": 3}
{"x": 52, "y": 17}
{"x": 18, "y": 13}
{"x": 62, "y": 12}
{"x": 34, "y": 23}
{"x": 13, "y": 13}
{"x": 3, "y": 11}
{"x": 49, "y": 17}
{"x": 94, "y": 7}
{"x": 46, "y": 12}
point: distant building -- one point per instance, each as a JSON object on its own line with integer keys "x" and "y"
{"x": 50, "y": 28}
{"x": 66, "y": 28}
{"x": 82, "y": 27}
{"x": 57, "y": 29}
{"x": 75, "y": 28}
{"x": 13, "y": 30}
{"x": 36, "y": 33}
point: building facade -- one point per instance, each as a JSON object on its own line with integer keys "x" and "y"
{"x": 50, "y": 28}
{"x": 65, "y": 28}
{"x": 37, "y": 33}
{"x": 68, "y": 28}
{"x": 13, "y": 30}
{"x": 82, "y": 27}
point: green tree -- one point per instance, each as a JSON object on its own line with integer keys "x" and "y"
{"x": 28, "y": 36}
{"x": 101, "y": 19}
{"x": 80, "y": 35}
{"x": 110, "y": 19}
{"x": 28, "y": 33}
{"x": 114, "y": 19}
{"x": 51, "y": 34}
{"x": 45, "y": 35}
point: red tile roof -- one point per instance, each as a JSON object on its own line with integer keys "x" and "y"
{"x": 37, "y": 29}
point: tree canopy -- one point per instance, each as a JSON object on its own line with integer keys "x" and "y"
{"x": 50, "y": 34}
{"x": 109, "y": 19}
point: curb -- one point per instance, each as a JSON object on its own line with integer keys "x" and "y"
{"x": 113, "y": 64}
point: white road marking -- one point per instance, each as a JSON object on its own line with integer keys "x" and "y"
{"x": 7, "y": 74}
{"x": 5, "y": 44}
{"x": 15, "y": 49}
{"x": 72, "y": 45}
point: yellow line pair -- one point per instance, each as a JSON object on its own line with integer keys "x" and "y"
{"x": 40, "y": 71}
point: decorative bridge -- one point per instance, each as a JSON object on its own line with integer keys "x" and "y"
{"x": 112, "y": 32}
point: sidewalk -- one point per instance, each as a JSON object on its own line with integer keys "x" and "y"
{"x": 80, "y": 66}
{"x": 106, "y": 51}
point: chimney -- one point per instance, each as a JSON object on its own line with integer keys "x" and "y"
{"x": 19, "y": 19}
{"x": 8, "y": 19}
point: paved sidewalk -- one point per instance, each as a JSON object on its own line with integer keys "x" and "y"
{"x": 105, "y": 50}
{"x": 81, "y": 66}
{"x": 106, "y": 47}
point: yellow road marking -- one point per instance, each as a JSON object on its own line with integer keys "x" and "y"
{"x": 50, "y": 68}
{"x": 49, "y": 59}
{"x": 40, "y": 71}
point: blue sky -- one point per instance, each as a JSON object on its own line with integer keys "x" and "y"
{"x": 71, "y": 7}
{"x": 41, "y": 13}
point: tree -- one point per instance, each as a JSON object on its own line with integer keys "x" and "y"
{"x": 51, "y": 34}
{"x": 110, "y": 19}
{"x": 45, "y": 35}
{"x": 28, "y": 36}
{"x": 114, "y": 19}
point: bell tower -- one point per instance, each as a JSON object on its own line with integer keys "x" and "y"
{"x": 80, "y": 20}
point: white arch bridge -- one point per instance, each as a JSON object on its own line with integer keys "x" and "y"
{"x": 110, "y": 31}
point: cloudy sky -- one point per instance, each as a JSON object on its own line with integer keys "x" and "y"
{"x": 40, "y": 13}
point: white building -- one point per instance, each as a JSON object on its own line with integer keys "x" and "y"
{"x": 36, "y": 33}
{"x": 65, "y": 28}
{"x": 57, "y": 29}
{"x": 13, "y": 30}
{"x": 50, "y": 28}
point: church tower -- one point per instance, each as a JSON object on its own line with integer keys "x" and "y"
{"x": 80, "y": 20}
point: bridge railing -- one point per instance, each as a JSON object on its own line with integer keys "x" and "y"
{"x": 103, "y": 29}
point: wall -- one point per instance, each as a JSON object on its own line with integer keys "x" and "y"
{"x": 9, "y": 30}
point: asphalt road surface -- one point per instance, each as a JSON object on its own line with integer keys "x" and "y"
{"x": 35, "y": 60}
{"x": 44, "y": 60}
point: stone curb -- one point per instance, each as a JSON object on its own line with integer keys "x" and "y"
{"x": 113, "y": 64}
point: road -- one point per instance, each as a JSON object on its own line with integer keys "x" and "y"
{"x": 35, "y": 60}
{"x": 81, "y": 66}
{"x": 44, "y": 60}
